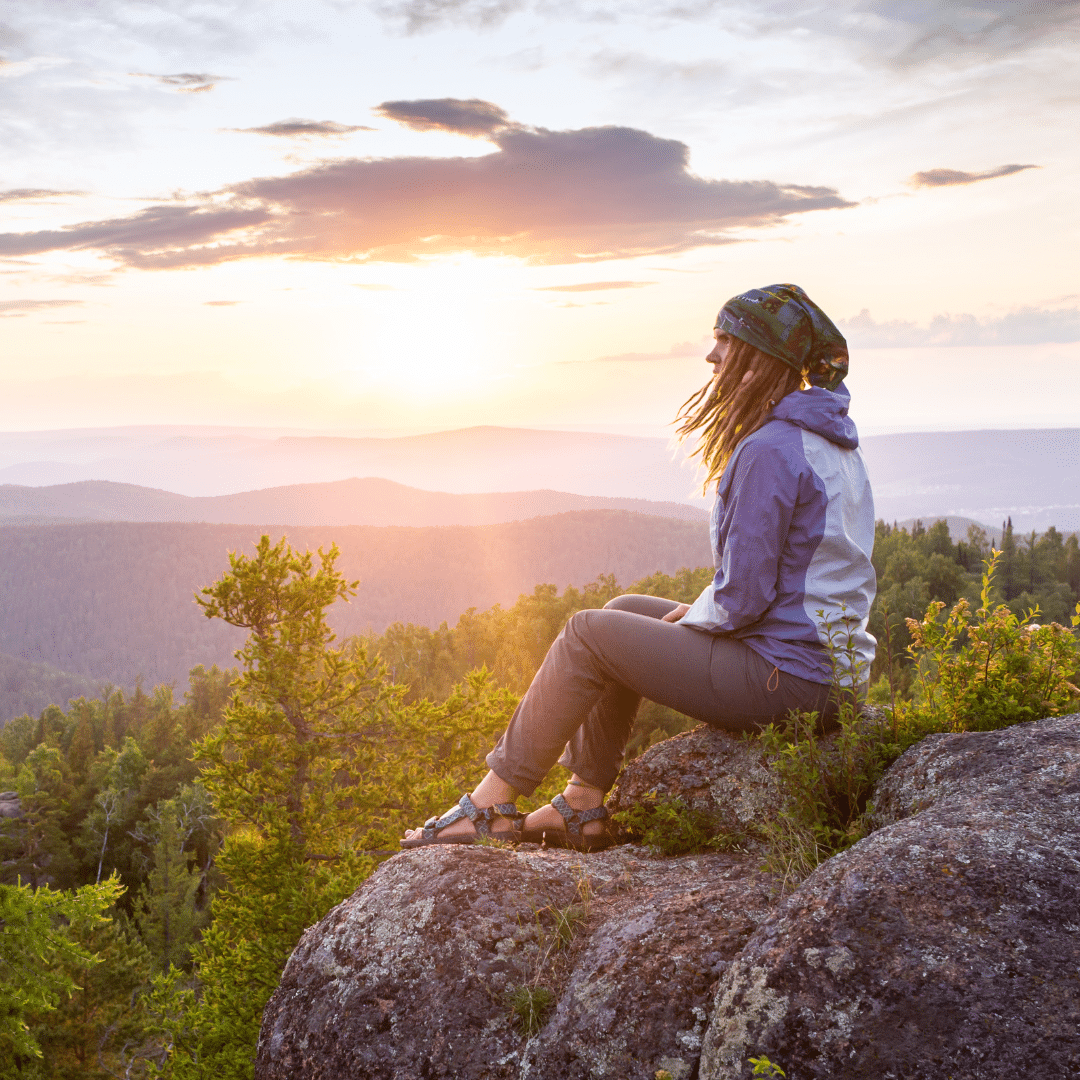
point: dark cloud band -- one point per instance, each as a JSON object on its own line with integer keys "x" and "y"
{"x": 296, "y": 128}
{"x": 547, "y": 197}
{"x": 950, "y": 177}
{"x": 463, "y": 117}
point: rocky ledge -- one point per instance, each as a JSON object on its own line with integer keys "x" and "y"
{"x": 945, "y": 944}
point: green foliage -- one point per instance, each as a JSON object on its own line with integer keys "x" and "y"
{"x": 318, "y": 765}
{"x": 990, "y": 671}
{"x": 764, "y": 1067}
{"x": 670, "y": 827}
{"x": 94, "y": 1032}
{"x": 166, "y": 909}
{"x": 974, "y": 674}
{"x": 530, "y": 1006}
{"x": 40, "y": 948}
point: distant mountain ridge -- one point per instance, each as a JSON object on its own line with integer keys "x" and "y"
{"x": 366, "y": 501}
{"x": 113, "y": 601}
{"x": 1030, "y": 475}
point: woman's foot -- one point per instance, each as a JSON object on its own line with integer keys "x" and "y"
{"x": 558, "y": 822}
{"x": 491, "y": 791}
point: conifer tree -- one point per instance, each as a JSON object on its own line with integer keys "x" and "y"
{"x": 98, "y": 1025}
{"x": 166, "y": 910}
{"x": 39, "y": 951}
{"x": 316, "y": 762}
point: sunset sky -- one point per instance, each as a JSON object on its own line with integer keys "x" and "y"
{"x": 419, "y": 214}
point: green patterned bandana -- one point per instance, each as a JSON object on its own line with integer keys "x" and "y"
{"x": 784, "y": 322}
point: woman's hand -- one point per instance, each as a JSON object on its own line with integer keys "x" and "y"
{"x": 675, "y": 614}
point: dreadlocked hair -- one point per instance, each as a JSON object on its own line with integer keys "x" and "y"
{"x": 734, "y": 404}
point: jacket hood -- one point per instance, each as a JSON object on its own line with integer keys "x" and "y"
{"x": 824, "y": 412}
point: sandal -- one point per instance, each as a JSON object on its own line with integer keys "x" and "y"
{"x": 481, "y": 819}
{"x": 571, "y": 836}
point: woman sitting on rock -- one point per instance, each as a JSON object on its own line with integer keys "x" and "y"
{"x": 792, "y": 530}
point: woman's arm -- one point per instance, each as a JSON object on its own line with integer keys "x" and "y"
{"x": 750, "y": 531}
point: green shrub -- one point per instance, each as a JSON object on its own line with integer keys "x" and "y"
{"x": 975, "y": 673}
{"x": 670, "y": 827}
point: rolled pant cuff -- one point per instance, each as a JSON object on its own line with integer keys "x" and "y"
{"x": 588, "y": 773}
{"x": 519, "y": 781}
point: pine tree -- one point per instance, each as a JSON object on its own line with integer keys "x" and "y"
{"x": 39, "y": 951}
{"x": 166, "y": 910}
{"x": 317, "y": 758}
{"x": 99, "y": 1024}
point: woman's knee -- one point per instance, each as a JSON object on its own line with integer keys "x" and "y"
{"x": 655, "y": 607}
{"x": 626, "y": 602}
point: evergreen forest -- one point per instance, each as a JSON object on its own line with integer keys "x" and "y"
{"x": 162, "y": 852}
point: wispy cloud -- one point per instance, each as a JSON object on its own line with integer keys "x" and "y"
{"x": 221, "y": 303}
{"x": 418, "y": 15}
{"x": 548, "y": 197}
{"x": 33, "y": 194}
{"x": 950, "y": 177}
{"x": 1025, "y": 326}
{"x": 471, "y": 116}
{"x": 678, "y": 351}
{"x": 297, "y": 128}
{"x": 186, "y": 82}
{"x": 18, "y": 308}
{"x": 595, "y": 286}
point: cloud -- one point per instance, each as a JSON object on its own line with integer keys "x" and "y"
{"x": 1025, "y": 326}
{"x": 470, "y": 116}
{"x": 896, "y": 32}
{"x": 32, "y": 194}
{"x": 191, "y": 234}
{"x": 417, "y": 15}
{"x": 548, "y": 197}
{"x": 949, "y": 177}
{"x": 595, "y": 286}
{"x": 16, "y": 309}
{"x": 221, "y": 303}
{"x": 677, "y": 352}
{"x": 375, "y": 287}
{"x": 296, "y": 128}
{"x": 186, "y": 82}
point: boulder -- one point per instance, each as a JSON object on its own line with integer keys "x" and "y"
{"x": 723, "y": 778}
{"x": 946, "y": 944}
{"x": 411, "y": 976}
{"x": 9, "y": 805}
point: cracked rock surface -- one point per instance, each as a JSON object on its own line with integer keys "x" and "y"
{"x": 722, "y": 777}
{"x": 944, "y": 945}
{"x": 408, "y": 978}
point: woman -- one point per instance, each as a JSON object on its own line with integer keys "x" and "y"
{"x": 792, "y": 530}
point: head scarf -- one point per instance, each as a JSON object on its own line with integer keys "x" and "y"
{"x": 784, "y": 322}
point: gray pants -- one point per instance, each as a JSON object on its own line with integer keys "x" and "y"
{"x": 583, "y": 700}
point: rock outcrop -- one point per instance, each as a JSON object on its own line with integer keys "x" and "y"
{"x": 411, "y": 977}
{"x": 724, "y": 780}
{"x": 945, "y": 944}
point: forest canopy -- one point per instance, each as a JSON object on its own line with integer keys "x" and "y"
{"x": 200, "y": 835}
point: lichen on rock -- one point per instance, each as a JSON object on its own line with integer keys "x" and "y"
{"x": 944, "y": 944}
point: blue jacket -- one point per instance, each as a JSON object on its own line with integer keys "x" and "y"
{"x": 792, "y": 531}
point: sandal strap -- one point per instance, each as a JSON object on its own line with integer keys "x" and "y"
{"x": 481, "y": 818}
{"x": 576, "y": 818}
